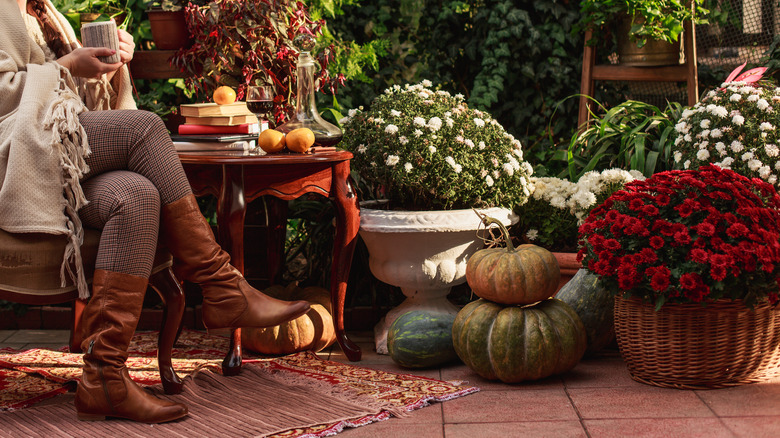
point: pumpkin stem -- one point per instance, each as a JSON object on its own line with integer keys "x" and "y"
{"x": 487, "y": 221}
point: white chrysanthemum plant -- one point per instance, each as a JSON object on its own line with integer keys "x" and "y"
{"x": 557, "y": 207}
{"x": 424, "y": 149}
{"x": 736, "y": 126}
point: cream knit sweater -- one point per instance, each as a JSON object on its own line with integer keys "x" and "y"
{"x": 42, "y": 143}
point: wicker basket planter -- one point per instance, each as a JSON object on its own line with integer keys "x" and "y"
{"x": 688, "y": 346}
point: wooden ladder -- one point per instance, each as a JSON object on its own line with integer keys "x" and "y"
{"x": 591, "y": 72}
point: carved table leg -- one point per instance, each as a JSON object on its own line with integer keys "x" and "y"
{"x": 347, "y": 225}
{"x": 168, "y": 288}
{"x": 231, "y": 212}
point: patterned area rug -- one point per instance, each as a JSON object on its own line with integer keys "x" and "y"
{"x": 330, "y": 395}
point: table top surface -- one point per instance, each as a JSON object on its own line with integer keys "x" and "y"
{"x": 259, "y": 157}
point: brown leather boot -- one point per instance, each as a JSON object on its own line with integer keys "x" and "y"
{"x": 107, "y": 325}
{"x": 228, "y": 300}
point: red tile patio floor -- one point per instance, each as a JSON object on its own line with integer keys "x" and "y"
{"x": 597, "y": 398}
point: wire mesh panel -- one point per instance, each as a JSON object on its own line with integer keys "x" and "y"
{"x": 742, "y": 31}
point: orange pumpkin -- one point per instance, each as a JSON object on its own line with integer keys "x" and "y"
{"x": 312, "y": 331}
{"x": 512, "y": 276}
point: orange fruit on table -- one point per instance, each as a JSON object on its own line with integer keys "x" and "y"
{"x": 271, "y": 140}
{"x": 300, "y": 140}
{"x": 224, "y": 95}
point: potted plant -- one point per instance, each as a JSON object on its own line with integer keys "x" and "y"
{"x": 640, "y": 23}
{"x": 168, "y": 24}
{"x": 431, "y": 159}
{"x": 556, "y": 209}
{"x": 85, "y": 11}
{"x": 256, "y": 47}
{"x": 693, "y": 259}
{"x": 735, "y": 126}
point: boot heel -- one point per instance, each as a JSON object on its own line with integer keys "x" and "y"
{"x": 91, "y": 417}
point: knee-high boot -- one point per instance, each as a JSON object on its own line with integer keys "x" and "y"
{"x": 228, "y": 300}
{"x": 108, "y": 323}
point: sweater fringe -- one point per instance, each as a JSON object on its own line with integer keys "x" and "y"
{"x": 69, "y": 141}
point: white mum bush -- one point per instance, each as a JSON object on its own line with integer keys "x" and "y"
{"x": 425, "y": 149}
{"x": 737, "y": 127}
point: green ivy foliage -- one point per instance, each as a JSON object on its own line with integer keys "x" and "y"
{"x": 512, "y": 59}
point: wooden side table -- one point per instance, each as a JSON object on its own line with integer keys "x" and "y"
{"x": 237, "y": 177}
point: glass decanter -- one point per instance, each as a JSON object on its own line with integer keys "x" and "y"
{"x": 306, "y": 114}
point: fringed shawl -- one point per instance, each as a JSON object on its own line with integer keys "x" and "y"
{"x": 42, "y": 142}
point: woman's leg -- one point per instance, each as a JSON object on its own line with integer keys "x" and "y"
{"x": 138, "y": 141}
{"x": 126, "y": 207}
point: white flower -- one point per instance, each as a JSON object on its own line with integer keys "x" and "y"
{"x": 735, "y": 97}
{"x": 344, "y": 120}
{"x": 754, "y": 165}
{"x": 532, "y": 234}
{"x": 705, "y": 123}
{"x": 717, "y": 110}
{"x": 738, "y": 120}
{"x": 721, "y": 148}
{"x": 418, "y": 133}
{"x": 747, "y": 156}
{"x": 362, "y": 149}
{"x": 352, "y": 113}
{"x": 403, "y": 140}
{"x": 479, "y": 122}
{"x": 762, "y": 104}
{"x": 496, "y": 174}
{"x": 687, "y": 164}
{"x": 432, "y": 149}
{"x": 764, "y": 172}
{"x": 766, "y": 126}
{"x": 726, "y": 163}
{"x": 716, "y": 133}
{"x": 489, "y": 181}
{"x": 434, "y": 124}
{"x": 408, "y": 167}
{"x": 508, "y": 169}
{"x": 682, "y": 127}
{"x": 736, "y": 146}
{"x": 391, "y": 129}
{"x": 419, "y": 121}
{"x": 677, "y": 156}
{"x": 455, "y": 166}
{"x": 752, "y": 98}
{"x": 702, "y": 155}
{"x": 392, "y": 160}
{"x": 395, "y": 113}
{"x": 771, "y": 150}
{"x": 426, "y": 83}
{"x": 469, "y": 143}
{"x": 481, "y": 145}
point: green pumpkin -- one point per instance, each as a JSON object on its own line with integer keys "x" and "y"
{"x": 513, "y": 344}
{"x": 421, "y": 339}
{"x": 595, "y": 307}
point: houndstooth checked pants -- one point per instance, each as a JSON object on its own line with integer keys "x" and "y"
{"x": 134, "y": 170}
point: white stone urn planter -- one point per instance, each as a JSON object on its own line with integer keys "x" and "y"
{"x": 424, "y": 253}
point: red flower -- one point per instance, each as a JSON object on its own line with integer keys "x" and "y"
{"x": 705, "y": 229}
{"x": 656, "y": 242}
{"x": 737, "y": 230}
{"x": 648, "y": 255}
{"x": 699, "y": 255}
{"x": 660, "y": 279}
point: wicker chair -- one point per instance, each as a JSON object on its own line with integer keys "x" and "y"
{"x": 30, "y": 274}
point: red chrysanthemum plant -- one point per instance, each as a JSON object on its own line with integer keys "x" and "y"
{"x": 687, "y": 236}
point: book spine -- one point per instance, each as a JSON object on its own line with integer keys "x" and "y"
{"x": 191, "y": 146}
{"x": 246, "y": 128}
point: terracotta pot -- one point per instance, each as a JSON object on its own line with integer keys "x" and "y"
{"x": 169, "y": 29}
{"x": 653, "y": 53}
{"x": 569, "y": 265}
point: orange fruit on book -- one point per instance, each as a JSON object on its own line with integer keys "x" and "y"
{"x": 300, "y": 140}
{"x": 224, "y": 95}
{"x": 271, "y": 140}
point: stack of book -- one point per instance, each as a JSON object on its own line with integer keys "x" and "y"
{"x": 209, "y": 126}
